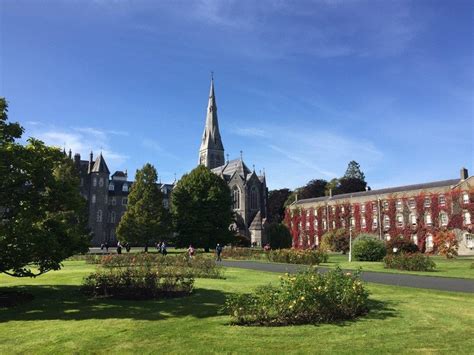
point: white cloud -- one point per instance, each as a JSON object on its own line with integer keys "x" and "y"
{"x": 250, "y": 132}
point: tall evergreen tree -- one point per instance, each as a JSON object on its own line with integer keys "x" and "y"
{"x": 353, "y": 180}
{"x": 201, "y": 206}
{"x": 353, "y": 171}
{"x": 42, "y": 214}
{"x": 146, "y": 221}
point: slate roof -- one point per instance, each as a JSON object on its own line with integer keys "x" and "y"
{"x": 229, "y": 168}
{"x": 100, "y": 166}
{"x": 389, "y": 190}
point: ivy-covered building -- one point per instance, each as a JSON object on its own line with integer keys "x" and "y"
{"x": 249, "y": 189}
{"x": 416, "y": 212}
{"x": 107, "y": 196}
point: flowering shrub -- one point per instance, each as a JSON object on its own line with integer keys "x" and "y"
{"x": 137, "y": 283}
{"x": 368, "y": 247}
{"x": 410, "y": 262}
{"x": 298, "y": 256}
{"x": 199, "y": 266}
{"x": 303, "y": 298}
{"x": 336, "y": 240}
{"x": 401, "y": 244}
{"x": 242, "y": 253}
{"x": 447, "y": 244}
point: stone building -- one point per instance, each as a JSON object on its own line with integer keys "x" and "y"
{"x": 416, "y": 211}
{"x": 249, "y": 190}
{"x": 107, "y": 196}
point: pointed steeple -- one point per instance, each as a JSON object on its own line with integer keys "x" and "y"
{"x": 211, "y": 153}
{"x": 100, "y": 166}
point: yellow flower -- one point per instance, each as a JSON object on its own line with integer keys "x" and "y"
{"x": 302, "y": 298}
{"x": 291, "y": 306}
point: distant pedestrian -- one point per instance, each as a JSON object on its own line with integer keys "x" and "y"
{"x": 119, "y": 248}
{"x": 163, "y": 248}
{"x": 102, "y": 248}
{"x": 218, "y": 252}
{"x": 127, "y": 247}
{"x": 106, "y": 247}
{"x": 191, "y": 251}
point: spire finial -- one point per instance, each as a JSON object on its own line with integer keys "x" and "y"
{"x": 212, "y": 75}
{"x": 174, "y": 177}
{"x": 227, "y": 155}
{"x": 241, "y": 155}
{"x": 253, "y": 166}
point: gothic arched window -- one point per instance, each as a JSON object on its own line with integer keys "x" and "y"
{"x": 235, "y": 198}
{"x": 253, "y": 198}
{"x": 112, "y": 217}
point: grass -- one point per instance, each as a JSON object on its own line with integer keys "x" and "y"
{"x": 459, "y": 267}
{"x": 61, "y": 320}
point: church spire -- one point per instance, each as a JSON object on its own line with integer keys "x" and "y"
{"x": 211, "y": 153}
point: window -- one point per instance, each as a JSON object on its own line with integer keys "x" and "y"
{"x": 386, "y": 236}
{"x": 428, "y": 220}
{"x": 385, "y": 205}
{"x": 315, "y": 224}
{"x": 253, "y": 198}
{"x": 308, "y": 212}
{"x": 386, "y": 221}
{"x": 443, "y": 219}
{"x": 111, "y": 186}
{"x": 315, "y": 212}
{"x": 325, "y": 224}
{"x": 94, "y": 182}
{"x": 343, "y": 223}
{"x": 400, "y": 221}
{"x": 469, "y": 237}
{"x": 82, "y": 182}
{"x": 413, "y": 219}
{"x": 125, "y": 187}
{"x": 374, "y": 207}
{"x": 343, "y": 209}
{"x": 363, "y": 223}
{"x": 333, "y": 224}
{"x": 362, "y": 208}
{"x": 99, "y": 216}
{"x": 429, "y": 242}
{"x": 467, "y": 217}
{"x": 414, "y": 239}
{"x": 333, "y": 209}
{"x": 374, "y": 222}
{"x": 93, "y": 198}
{"x": 235, "y": 198}
{"x": 114, "y": 201}
{"x": 399, "y": 205}
{"x": 442, "y": 200}
{"x": 427, "y": 202}
{"x": 352, "y": 220}
{"x": 412, "y": 203}
{"x": 112, "y": 217}
{"x": 124, "y": 201}
{"x": 465, "y": 197}
{"x": 101, "y": 182}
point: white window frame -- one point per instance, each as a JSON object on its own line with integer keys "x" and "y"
{"x": 93, "y": 198}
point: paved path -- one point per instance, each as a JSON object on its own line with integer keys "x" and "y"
{"x": 431, "y": 282}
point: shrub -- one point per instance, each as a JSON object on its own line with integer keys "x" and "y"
{"x": 294, "y": 256}
{"x": 303, "y": 298}
{"x": 447, "y": 244}
{"x": 368, "y": 247}
{"x": 336, "y": 240}
{"x": 137, "y": 283}
{"x": 242, "y": 253}
{"x": 401, "y": 245}
{"x": 410, "y": 262}
{"x": 278, "y": 236}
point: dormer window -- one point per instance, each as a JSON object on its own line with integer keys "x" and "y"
{"x": 111, "y": 186}
{"x": 125, "y": 187}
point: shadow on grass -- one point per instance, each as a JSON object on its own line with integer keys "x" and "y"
{"x": 68, "y": 303}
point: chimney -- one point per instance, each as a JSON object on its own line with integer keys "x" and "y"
{"x": 296, "y": 197}
{"x": 330, "y": 192}
{"x": 464, "y": 174}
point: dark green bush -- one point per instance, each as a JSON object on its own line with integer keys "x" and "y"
{"x": 295, "y": 256}
{"x": 368, "y": 247}
{"x": 336, "y": 240}
{"x": 402, "y": 245}
{"x": 278, "y": 236}
{"x": 303, "y": 298}
{"x": 410, "y": 262}
{"x": 242, "y": 253}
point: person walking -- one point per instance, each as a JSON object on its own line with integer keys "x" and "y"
{"x": 127, "y": 247}
{"x": 191, "y": 251}
{"x": 218, "y": 252}
{"x": 163, "y": 248}
{"x": 119, "y": 248}
{"x": 106, "y": 247}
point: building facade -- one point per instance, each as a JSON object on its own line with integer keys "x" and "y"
{"x": 417, "y": 212}
{"x": 249, "y": 189}
{"x": 106, "y": 196}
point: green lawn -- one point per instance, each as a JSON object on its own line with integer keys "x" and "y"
{"x": 61, "y": 320}
{"x": 459, "y": 267}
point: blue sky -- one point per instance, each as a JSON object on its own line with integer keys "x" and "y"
{"x": 302, "y": 87}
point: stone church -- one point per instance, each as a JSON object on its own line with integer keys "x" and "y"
{"x": 249, "y": 190}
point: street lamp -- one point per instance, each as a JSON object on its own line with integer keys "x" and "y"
{"x": 350, "y": 229}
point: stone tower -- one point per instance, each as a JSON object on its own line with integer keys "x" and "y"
{"x": 99, "y": 175}
{"x": 211, "y": 153}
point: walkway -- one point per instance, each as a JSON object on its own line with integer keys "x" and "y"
{"x": 430, "y": 282}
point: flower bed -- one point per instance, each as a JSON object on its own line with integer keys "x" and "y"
{"x": 294, "y": 256}
{"x": 410, "y": 262}
{"x": 303, "y": 298}
{"x": 242, "y": 253}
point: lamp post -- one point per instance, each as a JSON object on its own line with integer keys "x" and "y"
{"x": 350, "y": 229}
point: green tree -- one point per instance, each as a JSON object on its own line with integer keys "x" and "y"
{"x": 146, "y": 221}
{"x": 201, "y": 208}
{"x": 276, "y": 204}
{"x": 42, "y": 215}
{"x": 353, "y": 180}
{"x": 314, "y": 188}
{"x": 278, "y": 236}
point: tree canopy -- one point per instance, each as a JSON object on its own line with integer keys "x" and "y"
{"x": 276, "y": 204}
{"x": 146, "y": 221}
{"x": 314, "y": 188}
{"x": 353, "y": 180}
{"x": 42, "y": 214}
{"x": 201, "y": 206}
